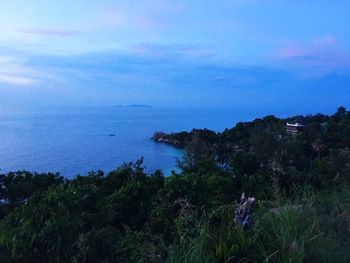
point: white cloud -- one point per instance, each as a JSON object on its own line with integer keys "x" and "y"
{"x": 13, "y": 71}
{"x": 321, "y": 56}
{"x": 18, "y": 81}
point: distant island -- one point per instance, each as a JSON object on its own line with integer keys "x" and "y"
{"x": 135, "y": 106}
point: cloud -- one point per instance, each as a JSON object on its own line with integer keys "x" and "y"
{"x": 109, "y": 78}
{"x": 14, "y": 71}
{"x": 318, "y": 50}
{"x": 48, "y": 32}
{"x": 18, "y": 81}
{"x": 324, "y": 54}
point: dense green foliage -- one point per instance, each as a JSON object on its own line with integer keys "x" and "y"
{"x": 301, "y": 183}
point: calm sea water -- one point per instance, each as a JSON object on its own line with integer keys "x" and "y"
{"x": 75, "y": 141}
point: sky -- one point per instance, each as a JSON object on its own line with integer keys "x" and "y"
{"x": 167, "y": 53}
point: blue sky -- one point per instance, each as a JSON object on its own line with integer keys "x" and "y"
{"x": 238, "y": 53}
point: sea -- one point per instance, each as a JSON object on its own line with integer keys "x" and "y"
{"x": 77, "y": 140}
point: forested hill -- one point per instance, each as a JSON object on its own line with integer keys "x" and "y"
{"x": 264, "y": 145}
{"x": 301, "y": 181}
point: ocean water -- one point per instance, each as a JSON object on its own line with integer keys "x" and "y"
{"x": 75, "y": 141}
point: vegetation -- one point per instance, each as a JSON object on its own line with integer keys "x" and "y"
{"x": 301, "y": 183}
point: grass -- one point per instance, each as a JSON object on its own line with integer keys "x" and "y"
{"x": 307, "y": 227}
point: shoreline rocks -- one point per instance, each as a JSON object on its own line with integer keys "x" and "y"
{"x": 161, "y": 137}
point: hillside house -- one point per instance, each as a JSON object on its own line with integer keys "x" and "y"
{"x": 295, "y": 127}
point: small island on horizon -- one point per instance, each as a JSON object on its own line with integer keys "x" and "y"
{"x": 135, "y": 106}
